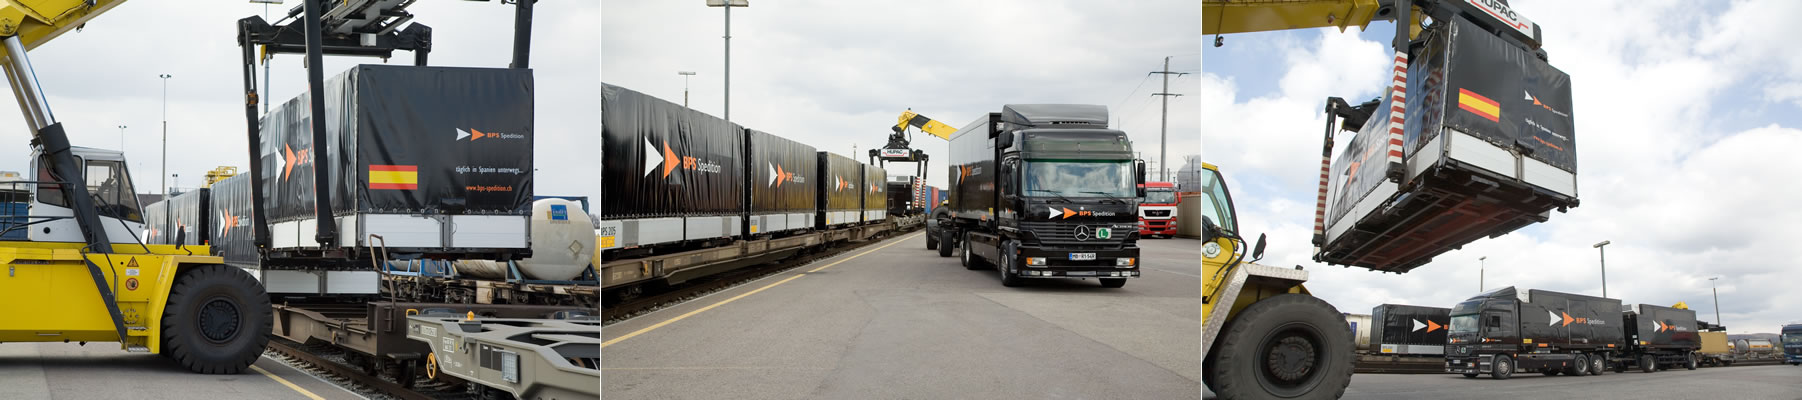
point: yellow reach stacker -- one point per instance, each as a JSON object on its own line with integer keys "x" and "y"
{"x": 84, "y": 274}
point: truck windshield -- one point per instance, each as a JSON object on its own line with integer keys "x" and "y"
{"x": 1080, "y": 178}
{"x": 1160, "y": 196}
{"x": 1464, "y": 323}
{"x": 1792, "y": 338}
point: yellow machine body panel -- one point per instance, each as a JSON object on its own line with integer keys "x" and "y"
{"x": 1240, "y": 16}
{"x": 47, "y": 294}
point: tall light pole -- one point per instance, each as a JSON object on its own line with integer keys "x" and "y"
{"x": 165, "y": 172}
{"x": 1164, "y": 121}
{"x": 1604, "y": 254}
{"x": 685, "y": 75}
{"x": 121, "y": 138}
{"x": 728, "y": 4}
{"x": 1717, "y": 300}
{"x": 1482, "y": 268}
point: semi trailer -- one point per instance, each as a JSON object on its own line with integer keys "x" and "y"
{"x": 1400, "y": 329}
{"x": 1658, "y": 338}
{"x": 1045, "y": 191}
{"x": 1506, "y": 330}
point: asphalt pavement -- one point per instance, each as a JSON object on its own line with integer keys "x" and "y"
{"x": 894, "y": 320}
{"x": 104, "y": 371}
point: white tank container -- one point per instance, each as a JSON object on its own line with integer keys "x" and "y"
{"x": 562, "y": 245}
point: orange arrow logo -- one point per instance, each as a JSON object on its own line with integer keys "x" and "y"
{"x": 1433, "y": 326}
{"x": 780, "y": 176}
{"x": 291, "y": 160}
{"x": 1567, "y": 319}
{"x": 1068, "y": 213}
{"x": 668, "y": 156}
{"x": 475, "y": 134}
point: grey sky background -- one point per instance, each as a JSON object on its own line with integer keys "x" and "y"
{"x": 106, "y": 76}
{"x": 835, "y": 74}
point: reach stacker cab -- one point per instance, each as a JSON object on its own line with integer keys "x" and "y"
{"x": 1045, "y": 191}
{"x": 83, "y": 274}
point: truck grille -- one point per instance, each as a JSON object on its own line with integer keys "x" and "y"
{"x": 1157, "y": 213}
{"x": 1067, "y": 233}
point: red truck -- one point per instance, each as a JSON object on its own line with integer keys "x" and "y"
{"x": 1157, "y": 210}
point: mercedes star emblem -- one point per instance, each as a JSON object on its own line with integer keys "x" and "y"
{"x": 1082, "y": 233}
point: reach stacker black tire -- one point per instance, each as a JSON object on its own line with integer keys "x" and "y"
{"x": 1504, "y": 368}
{"x": 1113, "y": 282}
{"x": 1287, "y": 346}
{"x": 217, "y": 320}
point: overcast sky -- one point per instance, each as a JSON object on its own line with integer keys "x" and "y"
{"x": 106, "y": 76}
{"x": 1688, "y": 129}
{"x": 835, "y": 74}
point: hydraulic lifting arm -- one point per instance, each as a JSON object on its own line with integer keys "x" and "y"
{"x": 24, "y": 27}
{"x": 898, "y": 150}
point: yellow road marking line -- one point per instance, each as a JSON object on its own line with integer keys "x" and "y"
{"x": 735, "y": 298}
{"x": 290, "y": 385}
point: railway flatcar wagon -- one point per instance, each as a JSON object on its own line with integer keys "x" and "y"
{"x": 782, "y": 191}
{"x": 874, "y": 186}
{"x": 675, "y": 175}
{"x": 840, "y": 200}
{"x": 1409, "y": 330}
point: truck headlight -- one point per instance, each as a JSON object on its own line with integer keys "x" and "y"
{"x": 1124, "y": 262}
{"x": 1035, "y": 261}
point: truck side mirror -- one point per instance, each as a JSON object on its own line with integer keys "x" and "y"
{"x": 1139, "y": 176}
{"x": 1004, "y": 140}
{"x": 1257, "y": 251}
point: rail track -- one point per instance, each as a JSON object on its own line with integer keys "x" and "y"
{"x": 644, "y": 303}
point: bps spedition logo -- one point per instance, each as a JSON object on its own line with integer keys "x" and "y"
{"x": 226, "y": 223}
{"x": 670, "y": 161}
{"x": 1666, "y": 326}
{"x": 779, "y": 176}
{"x": 473, "y": 135}
{"x": 1564, "y": 320}
{"x": 291, "y": 158}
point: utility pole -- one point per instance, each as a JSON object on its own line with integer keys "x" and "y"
{"x": 1482, "y": 269}
{"x": 728, "y": 4}
{"x": 165, "y": 171}
{"x": 1717, "y": 300}
{"x": 1164, "y": 121}
{"x": 685, "y": 75}
{"x": 1604, "y": 254}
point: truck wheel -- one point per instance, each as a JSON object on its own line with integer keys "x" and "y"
{"x": 1010, "y": 258}
{"x": 1595, "y": 364}
{"x": 1648, "y": 364}
{"x": 217, "y": 320}
{"x": 945, "y": 243}
{"x": 1287, "y": 346}
{"x": 1580, "y": 367}
{"x": 1504, "y": 367}
{"x": 1113, "y": 282}
{"x": 1689, "y": 361}
{"x": 971, "y": 261}
{"x": 932, "y": 242}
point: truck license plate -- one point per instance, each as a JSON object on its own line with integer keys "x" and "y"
{"x": 1082, "y": 256}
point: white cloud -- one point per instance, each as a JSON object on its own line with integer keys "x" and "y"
{"x": 1682, "y": 198}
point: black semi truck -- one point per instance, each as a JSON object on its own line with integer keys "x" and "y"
{"x": 1045, "y": 191}
{"x": 1506, "y": 330}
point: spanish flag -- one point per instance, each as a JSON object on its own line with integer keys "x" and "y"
{"x": 397, "y": 177}
{"x": 1479, "y": 105}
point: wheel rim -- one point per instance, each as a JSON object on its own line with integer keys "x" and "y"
{"x": 1504, "y": 367}
{"x": 1290, "y": 361}
{"x": 1582, "y": 367}
{"x": 218, "y": 320}
{"x": 431, "y": 366}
